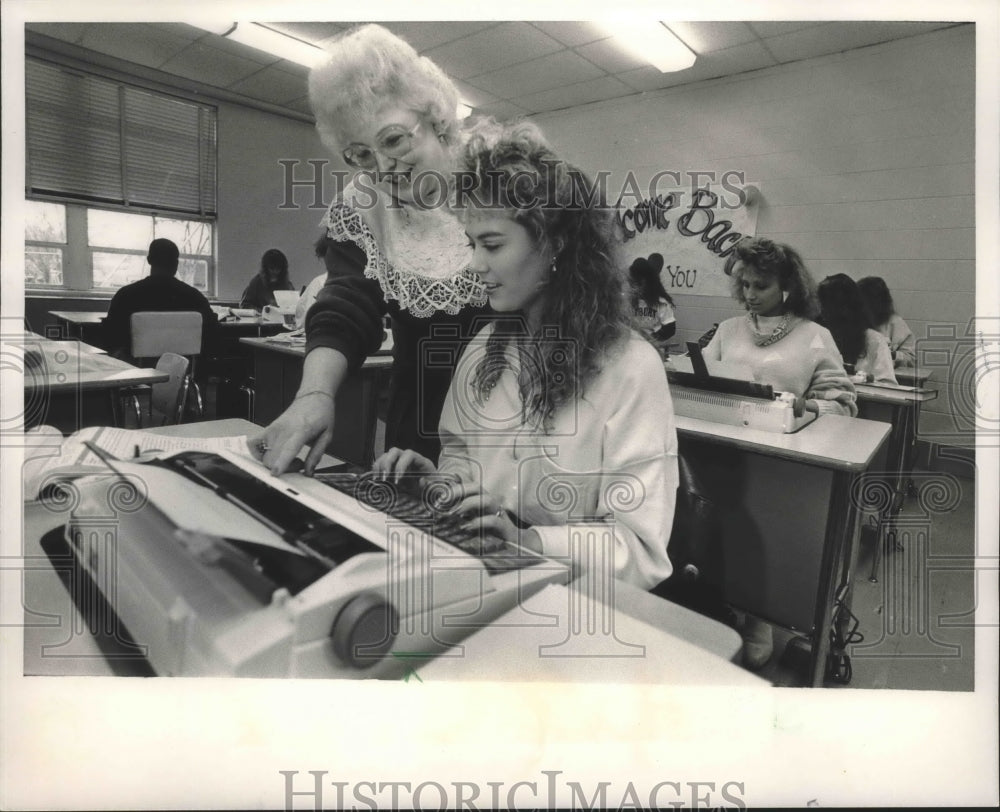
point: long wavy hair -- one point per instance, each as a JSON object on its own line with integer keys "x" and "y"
{"x": 584, "y": 306}
{"x": 843, "y": 312}
{"x": 876, "y": 294}
{"x": 782, "y": 262}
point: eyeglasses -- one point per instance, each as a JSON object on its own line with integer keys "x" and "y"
{"x": 393, "y": 141}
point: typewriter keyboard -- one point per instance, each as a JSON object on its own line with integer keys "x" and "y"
{"x": 410, "y": 506}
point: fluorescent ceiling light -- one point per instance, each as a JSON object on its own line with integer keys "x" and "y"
{"x": 653, "y": 42}
{"x": 274, "y": 42}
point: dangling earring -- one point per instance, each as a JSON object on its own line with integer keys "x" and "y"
{"x": 552, "y": 268}
{"x": 784, "y": 296}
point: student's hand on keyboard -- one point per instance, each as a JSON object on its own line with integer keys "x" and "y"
{"x": 308, "y": 420}
{"x": 396, "y": 462}
{"x": 482, "y": 514}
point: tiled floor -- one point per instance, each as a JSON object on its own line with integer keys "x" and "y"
{"x": 916, "y": 619}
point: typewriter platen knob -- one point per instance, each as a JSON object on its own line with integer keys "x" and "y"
{"x": 364, "y": 630}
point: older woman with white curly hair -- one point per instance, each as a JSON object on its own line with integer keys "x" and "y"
{"x": 392, "y": 246}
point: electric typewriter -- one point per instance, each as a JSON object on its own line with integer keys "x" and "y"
{"x": 217, "y": 568}
{"x": 731, "y": 401}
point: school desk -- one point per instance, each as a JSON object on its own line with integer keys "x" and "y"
{"x": 787, "y": 516}
{"x": 277, "y": 365}
{"x": 897, "y": 406}
{"x": 70, "y": 384}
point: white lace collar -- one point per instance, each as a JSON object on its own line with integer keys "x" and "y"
{"x": 421, "y": 260}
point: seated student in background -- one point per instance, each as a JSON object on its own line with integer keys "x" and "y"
{"x": 161, "y": 290}
{"x": 902, "y": 343}
{"x": 559, "y": 391}
{"x": 781, "y": 345}
{"x": 778, "y": 340}
{"x": 309, "y": 292}
{"x": 272, "y": 276}
{"x": 843, "y": 312}
{"x": 652, "y": 306}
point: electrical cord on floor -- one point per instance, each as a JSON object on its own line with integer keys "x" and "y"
{"x": 838, "y": 662}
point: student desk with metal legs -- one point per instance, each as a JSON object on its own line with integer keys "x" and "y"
{"x": 787, "y": 516}
{"x": 898, "y": 406}
{"x": 69, "y": 384}
{"x": 277, "y": 374}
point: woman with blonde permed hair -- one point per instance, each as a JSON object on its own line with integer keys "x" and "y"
{"x": 559, "y": 419}
{"x": 781, "y": 345}
{"x": 778, "y": 339}
{"x": 392, "y": 247}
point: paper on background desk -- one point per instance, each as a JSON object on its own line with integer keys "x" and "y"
{"x": 47, "y": 452}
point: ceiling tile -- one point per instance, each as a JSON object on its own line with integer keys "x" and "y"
{"x": 426, "y": 35}
{"x": 67, "y": 32}
{"x": 143, "y": 44}
{"x": 730, "y": 61}
{"x": 705, "y": 37}
{"x": 606, "y": 87}
{"x": 610, "y": 55}
{"x": 315, "y": 32}
{"x": 834, "y": 37}
{"x": 219, "y": 67}
{"x": 562, "y": 68}
{"x": 497, "y": 47}
{"x": 473, "y": 95}
{"x": 271, "y": 85}
{"x": 572, "y": 33}
{"x": 502, "y": 111}
{"x": 774, "y": 28}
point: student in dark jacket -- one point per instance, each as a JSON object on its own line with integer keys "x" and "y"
{"x": 161, "y": 290}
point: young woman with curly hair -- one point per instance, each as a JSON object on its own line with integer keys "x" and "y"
{"x": 778, "y": 339}
{"x": 558, "y": 409}
{"x": 781, "y": 345}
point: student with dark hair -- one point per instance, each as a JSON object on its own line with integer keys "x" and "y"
{"x": 557, "y": 393}
{"x": 652, "y": 306}
{"x": 902, "y": 343}
{"x": 844, "y": 313}
{"x": 161, "y": 290}
{"x": 272, "y": 276}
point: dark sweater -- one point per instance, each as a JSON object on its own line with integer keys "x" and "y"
{"x": 155, "y": 292}
{"x": 347, "y": 316}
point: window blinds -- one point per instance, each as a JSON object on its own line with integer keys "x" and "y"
{"x": 93, "y": 139}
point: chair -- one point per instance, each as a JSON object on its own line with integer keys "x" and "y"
{"x": 155, "y": 333}
{"x": 167, "y": 399}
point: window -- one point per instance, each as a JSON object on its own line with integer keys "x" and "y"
{"x": 110, "y": 250}
{"x": 45, "y": 241}
{"x": 110, "y": 167}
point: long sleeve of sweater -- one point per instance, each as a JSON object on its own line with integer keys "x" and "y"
{"x": 347, "y": 315}
{"x": 805, "y": 362}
